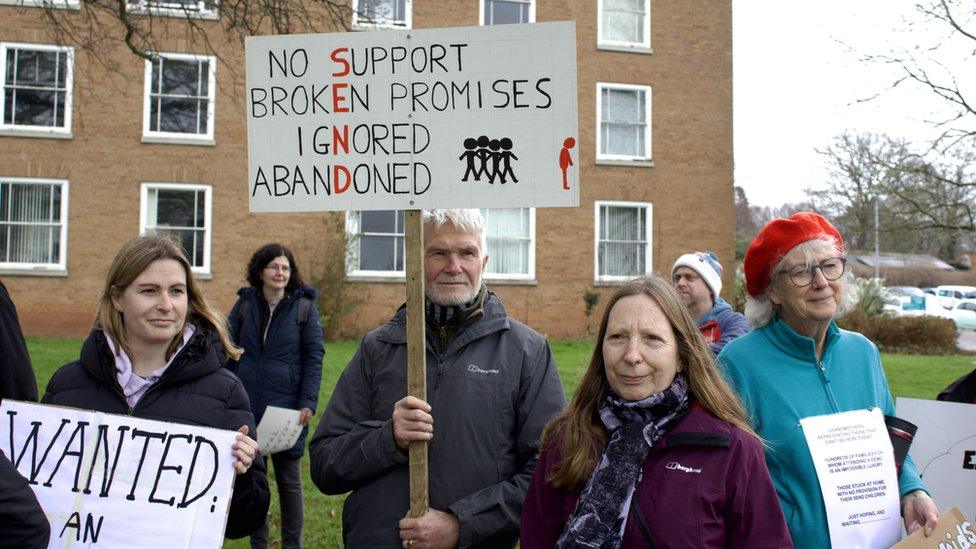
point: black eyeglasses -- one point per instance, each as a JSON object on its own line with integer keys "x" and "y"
{"x": 802, "y": 275}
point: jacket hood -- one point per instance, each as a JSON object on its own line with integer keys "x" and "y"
{"x": 202, "y": 355}
{"x": 302, "y": 291}
{"x": 721, "y": 306}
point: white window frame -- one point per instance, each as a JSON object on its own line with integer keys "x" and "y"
{"x": 617, "y": 45}
{"x": 207, "y": 138}
{"x": 159, "y": 7}
{"x": 481, "y": 11}
{"x": 646, "y": 158}
{"x": 57, "y": 4}
{"x": 352, "y": 255}
{"x": 648, "y": 231}
{"x": 359, "y": 23}
{"x": 207, "y": 213}
{"x": 38, "y": 268}
{"x": 497, "y": 277}
{"x": 22, "y": 130}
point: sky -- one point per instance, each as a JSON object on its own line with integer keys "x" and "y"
{"x": 798, "y": 78}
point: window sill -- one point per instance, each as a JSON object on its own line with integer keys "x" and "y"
{"x": 625, "y": 49}
{"x": 182, "y": 14}
{"x": 62, "y": 5}
{"x": 511, "y": 281}
{"x": 7, "y": 271}
{"x": 388, "y": 279}
{"x": 378, "y": 26}
{"x": 621, "y": 162}
{"x": 202, "y": 276}
{"x": 176, "y": 140}
{"x": 611, "y": 283}
{"x": 42, "y": 134}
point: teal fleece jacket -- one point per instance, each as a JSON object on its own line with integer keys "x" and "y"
{"x": 776, "y": 373}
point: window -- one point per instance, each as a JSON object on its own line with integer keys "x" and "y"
{"x": 623, "y": 240}
{"x": 376, "y": 241}
{"x": 200, "y": 9}
{"x": 36, "y": 89}
{"x": 511, "y": 243}
{"x": 60, "y": 4}
{"x": 33, "y": 223}
{"x": 181, "y": 211}
{"x": 179, "y": 101}
{"x": 498, "y": 12}
{"x": 624, "y": 24}
{"x": 623, "y": 114}
{"x": 382, "y": 13}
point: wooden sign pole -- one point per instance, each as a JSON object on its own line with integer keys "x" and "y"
{"x": 416, "y": 353}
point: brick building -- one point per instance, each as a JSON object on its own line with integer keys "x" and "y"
{"x": 91, "y": 154}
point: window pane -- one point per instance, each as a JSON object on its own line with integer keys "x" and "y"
{"x": 378, "y": 253}
{"x": 177, "y": 115}
{"x": 632, "y": 5}
{"x": 179, "y": 77}
{"x": 383, "y": 10}
{"x": 622, "y": 247}
{"x": 623, "y": 106}
{"x": 623, "y": 27}
{"x": 185, "y": 238}
{"x": 381, "y": 221}
{"x": 29, "y": 232}
{"x": 29, "y": 203}
{"x": 174, "y": 208}
{"x": 498, "y": 12}
{"x": 31, "y": 107}
{"x": 36, "y": 68}
{"x": 509, "y": 240}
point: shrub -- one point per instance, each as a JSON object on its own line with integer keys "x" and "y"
{"x": 872, "y": 295}
{"x": 927, "y": 335}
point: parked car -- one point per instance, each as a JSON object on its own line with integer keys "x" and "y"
{"x": 964, "y": 314}
{"x": 906, "y": 301}
{"x": 949, "y": 296}
{"x": 929, "y": 290}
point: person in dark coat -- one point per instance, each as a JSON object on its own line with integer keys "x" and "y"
{"x": 492, "y": 384}
{"x": 157, "y": 352}
{"x": 281, "y": 366}
{"x": 22, "y": 521}
{"x": 654, "y": 450}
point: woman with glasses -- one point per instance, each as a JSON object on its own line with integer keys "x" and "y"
{"x": 276, "y": 323}
{"x": 797, "y": 363}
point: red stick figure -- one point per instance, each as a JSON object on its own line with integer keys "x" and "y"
{"x": 566, "y": 160}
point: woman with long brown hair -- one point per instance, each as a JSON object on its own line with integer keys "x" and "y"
{"x": 157, "y": 352}
{"x": 654, "y": 449}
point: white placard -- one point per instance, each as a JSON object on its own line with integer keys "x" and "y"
{"x": 279, "y": 430}
{"x": 944, "y": 450}
{"x": 412, "y": 119}
{"x": 856, "y": 468}
{"x": 107, "y": 480}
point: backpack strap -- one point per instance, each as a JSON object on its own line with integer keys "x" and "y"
{"x": 304, "y": 306}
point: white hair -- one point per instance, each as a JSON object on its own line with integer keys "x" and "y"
{"x": 760, "y": 310}
{"x": 467, "y": 220}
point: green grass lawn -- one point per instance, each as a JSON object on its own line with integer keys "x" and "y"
{"x": 908, "y": 375}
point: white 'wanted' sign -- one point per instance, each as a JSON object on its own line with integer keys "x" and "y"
{"x": 412, "y": 119}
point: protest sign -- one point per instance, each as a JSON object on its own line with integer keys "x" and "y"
{"x": 944, "y": 449}
{"x": 279, "y": 430}
{"x": 118, "y": 481}
{"x": 477, "y": 117}
{"x": 952, "y": 532}
{"x": 855, "y": 465}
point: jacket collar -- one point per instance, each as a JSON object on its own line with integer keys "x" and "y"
{"x": 800, "y": 347}
{"x": 492, "y": 319}
{"x": 304, "y": 290}
{"x": 201, "y": 355}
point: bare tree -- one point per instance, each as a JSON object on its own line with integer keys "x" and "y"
{"x": 926, "y": 201}
{"x": 928, "y": 65}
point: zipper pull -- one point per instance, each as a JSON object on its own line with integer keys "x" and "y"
{"x": 640, "y": 475}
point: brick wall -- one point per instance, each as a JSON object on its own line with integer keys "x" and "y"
{"x": 690, "y": 184}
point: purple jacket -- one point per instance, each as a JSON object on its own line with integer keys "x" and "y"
{"x": 705, "y": 484}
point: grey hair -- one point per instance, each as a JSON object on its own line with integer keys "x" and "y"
{"x": 759, "y": 311}
{"x": 467, "y": 220}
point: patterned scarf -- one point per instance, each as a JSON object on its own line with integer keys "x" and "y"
{"x": 600, "y": 515}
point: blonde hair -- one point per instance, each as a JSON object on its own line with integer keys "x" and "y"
{"x": 579, "y": 431}
{"x": 133, "y": 258}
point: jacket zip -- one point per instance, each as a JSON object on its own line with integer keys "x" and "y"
{"x": 442, "y": 343}
{"x": 826, "y": 384}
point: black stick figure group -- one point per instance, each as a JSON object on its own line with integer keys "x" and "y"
{"x": 490, "y": 158}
